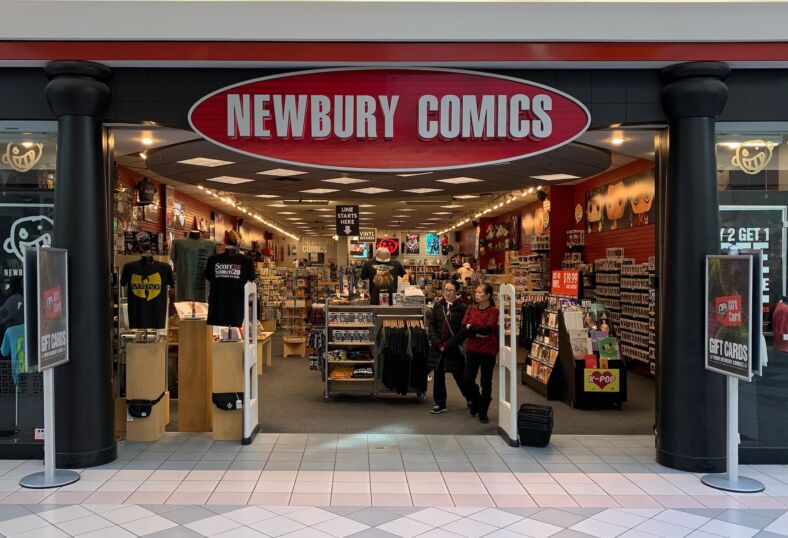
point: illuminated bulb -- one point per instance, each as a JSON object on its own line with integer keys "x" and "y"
{"x": 530, "y": 190}
{"x": 146, "y": 140}
{"x": 617, "y": 141}
{"x": 28, "y": 145}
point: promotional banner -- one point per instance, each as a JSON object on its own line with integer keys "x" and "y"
{"x": 52, "y": 308}
{"x": 565, "y": 283}
{"x": 601, "y": 380}
{"x": 385, "y": 120}
{"x": 761, "y": 228}
{"x": 728, "y": 315}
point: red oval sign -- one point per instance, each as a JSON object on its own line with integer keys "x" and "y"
{"x": 389, "y": 120}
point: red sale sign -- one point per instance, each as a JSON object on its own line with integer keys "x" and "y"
{"x": 389, "y": 120}
{"x": 565, "y": 283}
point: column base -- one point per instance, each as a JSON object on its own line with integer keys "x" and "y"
{"x": 691, "y": 464}
{"x": 83, "y": 460}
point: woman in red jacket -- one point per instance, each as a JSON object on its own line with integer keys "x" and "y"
{"x": 481, "y": 328}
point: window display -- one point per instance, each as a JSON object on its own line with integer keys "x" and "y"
{"x": 147, "y": 282}
{"x": 227, "y": 274}
{"x": 190, "y": 256}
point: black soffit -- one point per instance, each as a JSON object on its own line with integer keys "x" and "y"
{"x": 573, "y": 159}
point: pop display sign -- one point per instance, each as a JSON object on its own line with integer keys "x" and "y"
{"x": 389, "y": 120}
{"x": 729, "y": 331}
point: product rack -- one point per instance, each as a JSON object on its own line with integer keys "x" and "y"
{"x": 637, "y": 320}
{"x": 540, "y": 372}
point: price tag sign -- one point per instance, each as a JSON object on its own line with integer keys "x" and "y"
{"x": 565, "y": 283}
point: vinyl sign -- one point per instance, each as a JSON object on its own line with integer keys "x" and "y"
{"x": 389, "y": 120}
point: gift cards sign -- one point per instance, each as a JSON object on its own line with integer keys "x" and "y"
{"x": 386, "y": 120}
{"x": 729, "y": 310}
{"x": 601, "y": 380}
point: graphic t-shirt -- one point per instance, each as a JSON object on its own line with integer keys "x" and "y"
{"x": 780, "y": 327}
{"x": 190, "y": 257}
{"x": 382, "y": 276}
{"x": 228, "y": 274}
{"x": 14, "y": 346}
{"x": 146, "y": 288}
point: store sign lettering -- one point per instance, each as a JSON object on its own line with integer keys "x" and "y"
{"x": 601, "y": 380}
{"x": 389, "y": 119}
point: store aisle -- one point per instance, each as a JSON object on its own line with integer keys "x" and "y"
{"x": 292, "y": 402}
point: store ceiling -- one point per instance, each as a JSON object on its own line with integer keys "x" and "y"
{"x": 394, "y": 209}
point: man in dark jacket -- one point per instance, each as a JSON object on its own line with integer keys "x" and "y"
{"x": 445, "y": 339}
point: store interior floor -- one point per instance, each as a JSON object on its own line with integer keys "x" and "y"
{"x": 292, "y": 402}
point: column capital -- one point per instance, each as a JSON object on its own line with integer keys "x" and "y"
{"x": 77, "y": 88}
{"x": 695, "y": 89}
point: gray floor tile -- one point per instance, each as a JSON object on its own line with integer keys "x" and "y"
{"x": 705, "y": 512}
{"x": 223, "y": 508}
{"x": 493, "y": 468}
{"x": 161, "y": 508}
{"x": 525, "y": 512}
{"x": 282, "y": 466}
{"x": 569, "y": 533}
{"x": 247, "y": 465}
{"x": 525, "y": 468}
{"x": 765, "y": 534}
{"x": 565, "y": 467}
{"x": 373, "y": 533}
{"x": 177, "y": 465}
{"x": 373, "y": 516}
{"x": 595, "y": 468}
{"x": 749, "y": 518}
{"x": 557, "y": 517}
{"x": 586, "y": 512}
{"x": 213, "y": 465}
{"x": 143, "y": 465}
{"x": 456, "y": 467}
{"x": 317, "y": 466}
{"x": 12, "y": 511}
{"x": 188, "y": 514}
{"x": 175, "y": 532}
{"x": 343, "y": 510}
{"x": 422, "y": 467}
{"x": 403, "y": 510}
{"x": 628, "y": 468}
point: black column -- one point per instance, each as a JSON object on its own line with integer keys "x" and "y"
{"x": 690, "y": 400}
{"x": 78, "y": 95}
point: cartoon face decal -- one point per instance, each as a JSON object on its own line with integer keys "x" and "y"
{"x": 578, "y": 213}
{"x": 615, "y": 203}
{"x": 752, "y": 156}
{"x": 23, "y": 157}
{"x": 641, "y": 198}
{"x": 28, "y": 232}
{"x": 528, "y": 224}
{"x": 594, "y": 209}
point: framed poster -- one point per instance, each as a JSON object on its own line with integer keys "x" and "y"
{"x": 433, "y": 244}
{"x": 150, "y": 213}
{"x": 411, "y": 244}
{"x": 729, "y": 334}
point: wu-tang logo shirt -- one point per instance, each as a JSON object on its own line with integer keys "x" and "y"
{"x": 146, "y": 288}
{"x": 227, "y": 274}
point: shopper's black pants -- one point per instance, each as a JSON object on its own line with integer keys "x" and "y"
{"x": 439, "y": 383}
{"x": 474, "y": 363}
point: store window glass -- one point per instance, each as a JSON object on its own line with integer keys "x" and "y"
{"x": 752, "y": 175}
{"x": 27, "y": 183}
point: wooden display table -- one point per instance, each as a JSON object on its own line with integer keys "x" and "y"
{"x": 263, "y": 350}
{"x": 146, "y": 380}
{"x": 294, "y": 345}
{"x": 195, "y": 345}
{"x": 228, "y": 377}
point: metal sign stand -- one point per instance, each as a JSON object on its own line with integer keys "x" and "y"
{"x": 50, "y": 477}
{"x": 731, "y": 481}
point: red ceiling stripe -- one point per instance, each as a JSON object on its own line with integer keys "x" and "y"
{"x": 389, "y": 52}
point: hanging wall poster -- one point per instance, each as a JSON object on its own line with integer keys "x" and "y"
{"x": 433, "y": 244}
{"x": 728, "y": 314}
{"x": 411, "y": 245}
{"x": 390, "y": 243}
{"x": 621, "y": 204}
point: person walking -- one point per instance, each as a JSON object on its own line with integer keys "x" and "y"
{"x": 446, "y": 355}
{"x": 480, "y": 328}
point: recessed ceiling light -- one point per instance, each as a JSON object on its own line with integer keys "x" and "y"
{"x": 434, "y": 218}
{"x": 422, "y": 190}
{"x": 405, "y": 209}
{"x": 452, "y": 206}
{"x": 416, "y": 174}
{"x": 146, "y": 140}
{"x": 367, "y": 205}
{"x": 442, "y": 213}
{"x": 459, "y": 180}
{"x": 555, "y": 177}
{"x": 326, "y": 216}
{"x": 325, "y": 209}
{"x": 366, "y": 213}
{"x": 281, "y": 172}
{"x": 617, "y": 141}
{"x": 230, "y": 179}
{"x": 287, "y": 213}
{"x": 371, "y": 190}
{"x": 345, "y": 180}
{"x": 294, "y": 218}
{"x": 269, "y": 196}
{"x": 320, "y": 191}
{"x": 277, "y": 204}
{"x": 465, "y": 196}
{"x": 401, "y": 216}
{"x": 204, "y": 161}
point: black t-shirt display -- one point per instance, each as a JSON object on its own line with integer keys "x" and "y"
{"x": 146, "y": 288}
{"x": 190, "y": 256}
{"x": 227, "y": 274}
{"x": 382, "y": 276}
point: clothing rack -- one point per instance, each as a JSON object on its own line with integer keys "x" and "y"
{"x": 382, "y": 320}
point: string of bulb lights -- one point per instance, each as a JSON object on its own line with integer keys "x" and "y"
{"x": 233, "y": 202}
{"x": 496, "y": 204}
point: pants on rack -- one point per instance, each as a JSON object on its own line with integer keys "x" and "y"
{"x": 439, "y": 383}
{"x": 475, "y": 362}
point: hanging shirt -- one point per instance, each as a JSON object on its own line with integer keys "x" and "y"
{"x": 780, "y": 326}
{"x": 146, "y": 288}
{"x": 190, "y": 257}
{"x": 11, "y": 311}
{"x": 14, "y": 346}
{"x": 228, "y": 274}
{"x": 382, "y": 276}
